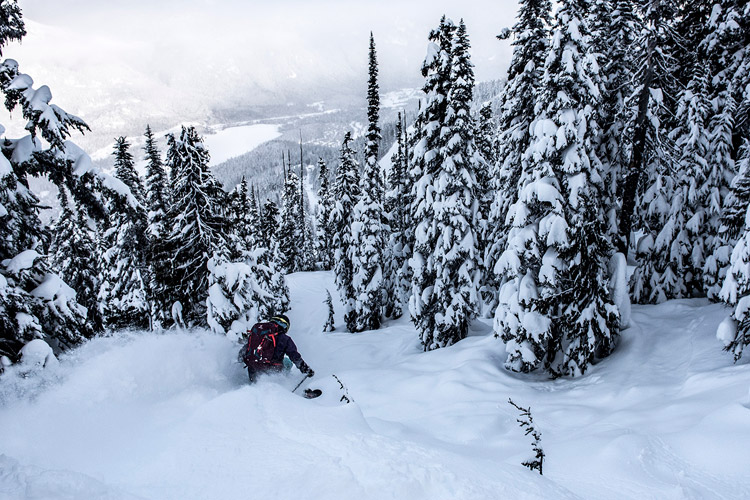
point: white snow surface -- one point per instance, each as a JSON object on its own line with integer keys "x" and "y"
{"x": 170, "y": 416}
{"x": 229, "y": 142}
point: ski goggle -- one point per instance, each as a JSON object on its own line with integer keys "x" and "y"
{"x": 281, "y": 322}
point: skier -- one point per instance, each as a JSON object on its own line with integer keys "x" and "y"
{"x": 267, "y": 344}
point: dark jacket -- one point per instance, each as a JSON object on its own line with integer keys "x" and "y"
{"x": 285, "y": 345}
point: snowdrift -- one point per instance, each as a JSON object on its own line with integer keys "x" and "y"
{"x": 170, "y": 416}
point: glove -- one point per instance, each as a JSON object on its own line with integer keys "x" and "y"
{"x": 304, "y": 368}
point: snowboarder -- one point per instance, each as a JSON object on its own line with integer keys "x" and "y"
{"x": 267, "y": 344}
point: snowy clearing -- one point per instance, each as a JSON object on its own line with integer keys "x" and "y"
{"x": 229, "y": 142}
{"x": 171, "y": 417}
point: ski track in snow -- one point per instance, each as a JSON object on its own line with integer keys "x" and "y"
{"x": 170, "y": 416}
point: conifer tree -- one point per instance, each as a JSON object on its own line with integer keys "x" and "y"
{"x": 34, "y": 301}
{"x": 617, "y": 32}
{"x": 74, "y": 258}
{"x": 272, "y": 260}
{"x": 346, "y": 194}
{"x": 680, "y": 245}
{"x": 531, "y": 39}
{"x": 124, "y": 293}
{"x": 197, "y": 226}
{"x": 649, "y": 106}
{"x": 485, "y": 139}
{"x": 157, "y": 192}
{"x": 368, "y": 240}
{"x": 398, "y": 275}
{"x": 727, "y": 50}
{"x": 735, "y": 290}
{"x": 555, "y": 312}
{"x": 270, "y": 220}
{"x": 325, "y": 204}
{"x": 425, "y": 167}
{"x": 457, "y": 215}
{"x": 251, "y": 229}
{"x": 157, "y": 201}
{"x": 290, "y": 233}
{"x": 306, "y": 232}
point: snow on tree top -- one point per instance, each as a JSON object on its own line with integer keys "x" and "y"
{"x": 21, "y": 262}
{"x": 82, "y": 165}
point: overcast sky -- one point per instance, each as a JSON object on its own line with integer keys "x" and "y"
{"x": 184, "y": 57}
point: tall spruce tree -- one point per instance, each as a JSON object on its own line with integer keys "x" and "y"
{"x": 368, "y": 239}
{"x": 325, "y": 207}
{"x": 555, "y": 312}
{"x": 398, "y": 275}
{"x": 679, "y": 247}
{"x": 346, "y": 193}
{"x": 124, "y": 293}
{"x": 649, "y": 106}
{"x": 618, "y": 31}
{"x": 735, "y": 290}
{"x": 727, "y": 50}
{"x": 306, "y": 231}
{"x": 457, "y": 211}
{"x": 290, "y": 231}
{"x": 157, "y": 201}
{"x": 278, "y": 288}
{"x": 425, "y": 166}
{"x": 518, "y": 98}
{"x": 74, "y": 258}
{"x": 485, "y": 139}
{"x": 196, "y": 229}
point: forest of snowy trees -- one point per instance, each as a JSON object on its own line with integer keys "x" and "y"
{"x": 622, "y": 137}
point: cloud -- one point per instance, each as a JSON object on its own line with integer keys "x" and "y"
{"x": 183, "y": 58}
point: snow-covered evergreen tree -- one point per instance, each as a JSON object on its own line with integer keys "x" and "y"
{"x": 720, "y": 170}
{"x": 197, "y": 227}
{"x": 124, "y": 293}
{"x": 269, "y": 222}
{"x": 456, "y": 254}
{"x": 531, "y": 39}
{"x": 398, "y": 273}
{"x": 679, "y": 247}
{"x": 157, "y": 201}
{"x": 617, "y": 27}
{"x": 74, "y": 258}
{"x": 305, "y": 228}
{"x": 325, "y": 207}
{"x": 727, "y": 50}
{"x": 289, "y": 233}
{"x": 485, "y": 140}
{"x": 239, "y": 294}
{"x": 35, "y": 302}
{"x": 735, "y": 290}
{"x": 646, "y": 182}
{"x": 346, "y": 193}
{"x": 555, "y": 312}
{"x": 368, "y": 239}
{"x": 425, "y": 165}
{"x": 272, "y": 259}
{"x": 157, "y": 191}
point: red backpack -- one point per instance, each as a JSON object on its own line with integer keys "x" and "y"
{"x": 261, "y": 344}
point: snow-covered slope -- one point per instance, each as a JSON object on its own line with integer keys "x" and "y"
{"x": 170, "y": 416}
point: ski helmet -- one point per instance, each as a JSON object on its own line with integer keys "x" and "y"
{"x": 282, "y": 321}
